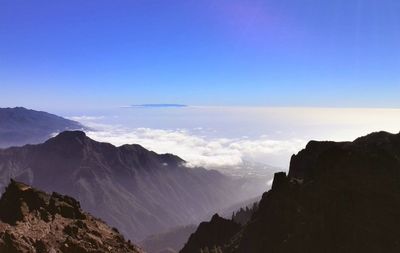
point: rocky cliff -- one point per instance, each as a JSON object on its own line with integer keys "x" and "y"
{"x": 211, "y": 235}
{"x": 337, "y": 197}
{"x": 32, "y": 221}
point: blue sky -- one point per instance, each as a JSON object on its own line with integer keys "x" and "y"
{"x": 93, "y": 53}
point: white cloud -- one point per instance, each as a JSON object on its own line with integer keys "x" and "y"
{"x": 85, "y": 118}
{"x": 288, "y": 130}
{"x": 196, "y": 149}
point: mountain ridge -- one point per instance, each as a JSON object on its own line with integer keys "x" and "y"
{"x": 20, "y": 126}
{"x": 128, "y": 186}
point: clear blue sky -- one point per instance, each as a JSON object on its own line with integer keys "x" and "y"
{"x": 88, "y": 53}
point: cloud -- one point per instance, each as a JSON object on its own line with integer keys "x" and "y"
{"x": 85, "y": 118}
{"x": 197, "y": 149}
{"x": 157, "y": 106}
{"x": 199, "y": 138}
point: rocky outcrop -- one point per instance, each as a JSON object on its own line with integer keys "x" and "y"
{"x": 211, "y": 235}
{"x": 244, "y": 214}
{"x": 19, "y": 200}
{"x": 31, "y": 221}
{"x": 337, "y": 197}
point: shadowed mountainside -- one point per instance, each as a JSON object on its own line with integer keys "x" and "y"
{"x": 136, "y": 190}
{"x": 337, "y": 197}
{"x": 34, "y": 221}
{"x": 210, "y": 235}
{"x": 20, "y": 126}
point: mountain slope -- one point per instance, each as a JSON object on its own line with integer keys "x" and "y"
{"x": 33, "y": 221}
{"x": 136, "y": 190}
{"x": 337, "y": 197}
{"x": 20, "y": 126}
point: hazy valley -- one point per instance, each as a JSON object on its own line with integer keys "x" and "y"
{"x": 138, "y": 191}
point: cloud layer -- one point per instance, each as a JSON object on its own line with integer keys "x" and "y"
{"x": 214, "y": 136}
{"x": 197, "y": 149}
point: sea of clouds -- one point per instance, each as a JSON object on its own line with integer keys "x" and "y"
{"x": 192, "y": 146}
{"x": 228, "y": 136}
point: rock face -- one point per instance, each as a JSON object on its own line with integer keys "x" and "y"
{"x": 337, "y": 197}
{"x": 211, "y": 235}
{"x": 243, "y": 215}
{"x": 32, "y": 221}
{"x": 20, "y": 126}
{"x": 19, "y": 200}
{"x": 131, "y": 188}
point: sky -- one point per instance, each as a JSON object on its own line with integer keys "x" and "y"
{"x": 68, "y": 54}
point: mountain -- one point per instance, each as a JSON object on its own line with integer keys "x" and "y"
{"x": 136, "y": 190}
{"x": 337, "y": 197}
{"x": 20, "y": 126}
{"x": 171, "y": 241}
{"x": 34, "y": 221}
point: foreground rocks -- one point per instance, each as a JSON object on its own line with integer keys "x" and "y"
{"x": 33, "y": 221}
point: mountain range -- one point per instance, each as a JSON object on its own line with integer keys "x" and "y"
{"x": 20, "y": 126}
{"x": 337, "y": 197}
{"x": 134, "y": 189}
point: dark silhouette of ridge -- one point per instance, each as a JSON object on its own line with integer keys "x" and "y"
{"x": 337, "y": 197}
{"x": 211, "y": 235}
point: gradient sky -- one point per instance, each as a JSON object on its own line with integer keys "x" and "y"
{"x": 93, "y": 53}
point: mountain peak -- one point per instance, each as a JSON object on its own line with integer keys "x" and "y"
{"x": 17, "y": 186}
{"x": 215, "y": 218}
{"x": 70, "y": 137}
{"x": 21, "y": 108}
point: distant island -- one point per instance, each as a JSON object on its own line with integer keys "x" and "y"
{"x": 159, "y": 105}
